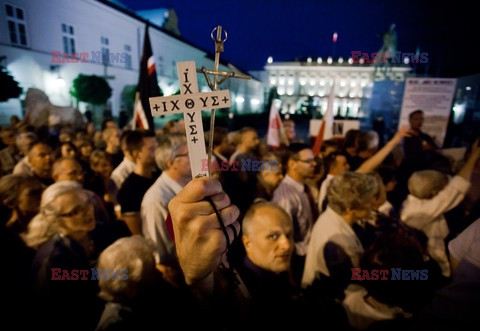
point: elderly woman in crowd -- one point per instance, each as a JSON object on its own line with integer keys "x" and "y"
{"x": 136, "y": 292}
{"x": 66, "y": 252}
{"x": 334, "y": 247}
{"x": 19, "y": 200}
{"x": 431, "y": 195}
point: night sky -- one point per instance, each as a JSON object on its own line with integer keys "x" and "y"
{"x": 289, "y": 30}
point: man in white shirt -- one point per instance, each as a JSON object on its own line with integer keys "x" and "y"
{"x": 432, "y": 195}
{"x": 334, "y": 247}
{"x": 295, "y": 197}
{"x": 172, "y": 158}
{"x": 292, "y": 194}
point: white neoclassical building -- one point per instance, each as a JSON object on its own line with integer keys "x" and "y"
{"x": 313, "y": 79}
{"x": 31, "y": 30}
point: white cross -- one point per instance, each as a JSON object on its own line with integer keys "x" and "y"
{"x": 191, "y": 102}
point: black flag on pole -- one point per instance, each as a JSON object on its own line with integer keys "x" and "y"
{"x": 147, "y": 87}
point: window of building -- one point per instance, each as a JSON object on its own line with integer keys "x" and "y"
{"x": 105, "y": 50}
{"x": 159, "y": 66}
{"x": 128, "y": 56}
{"x": 17, "y": 26}
{"x": 68, "y": 38}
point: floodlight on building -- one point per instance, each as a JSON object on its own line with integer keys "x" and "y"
{"x": 468, "y": 88}
{"x": 329, "y": 60}
{"x": 340, "y": 60}
{"x": 290, "y": 91}
{"x": 309, "y": 60}
{"x": 406, "y": 60}
{"x": 361, "y": 61}
{"x": 255, "y": 102}
{"x": 319, "y": 60}
{"x": 281, "y": 91}
{"x": 281, "y": 81}
{"x": 342, "y": 83}
{"x": 290, "y": 81}
{"x": 270, "y": 59}
{"x": 59, "y": 82}
{"x": 363, "y": 84}
{"x": 353, "y": 84}
{"x": 239, "y": 99}
{"x": 312, "y": 82}
{"x": 350, "y": 60}
{"x": 302, "y": 82}
{"x": 273, "y": 81}
{"x": 322, "y": 83}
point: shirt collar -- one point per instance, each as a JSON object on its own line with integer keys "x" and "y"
{"x": 176, "y": 187}
{"x": 338, "y": 219}
{"x": 259, "y": 272}
{"x": 129, "y": 162}
{"x": 297, "y": 185}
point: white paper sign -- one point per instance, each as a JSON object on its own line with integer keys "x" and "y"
{"x": 434, "y": 96}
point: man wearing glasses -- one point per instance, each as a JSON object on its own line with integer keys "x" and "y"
{"x": 172, "y": 158}
{"x": 295, "y": 197}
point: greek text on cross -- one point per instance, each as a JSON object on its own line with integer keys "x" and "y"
{"x": 191, "y": 103}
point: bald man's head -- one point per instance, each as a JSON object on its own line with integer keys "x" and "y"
{"x": 66, "y": 168}
{"x": 268, "y": 237}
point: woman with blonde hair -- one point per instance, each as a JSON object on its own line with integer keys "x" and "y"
{"x": 66, "y": 251}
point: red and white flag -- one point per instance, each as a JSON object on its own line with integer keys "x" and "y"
{"x": 147, "y": 87}
{"x": 335, "y": 37}
{"x": 326, "y": 128}
{"x": 276, "y": 133}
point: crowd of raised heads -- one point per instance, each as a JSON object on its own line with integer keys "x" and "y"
{"x": 105, "y": 229}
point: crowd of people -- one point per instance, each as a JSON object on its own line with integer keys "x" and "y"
{"x": 106, "y": 230}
